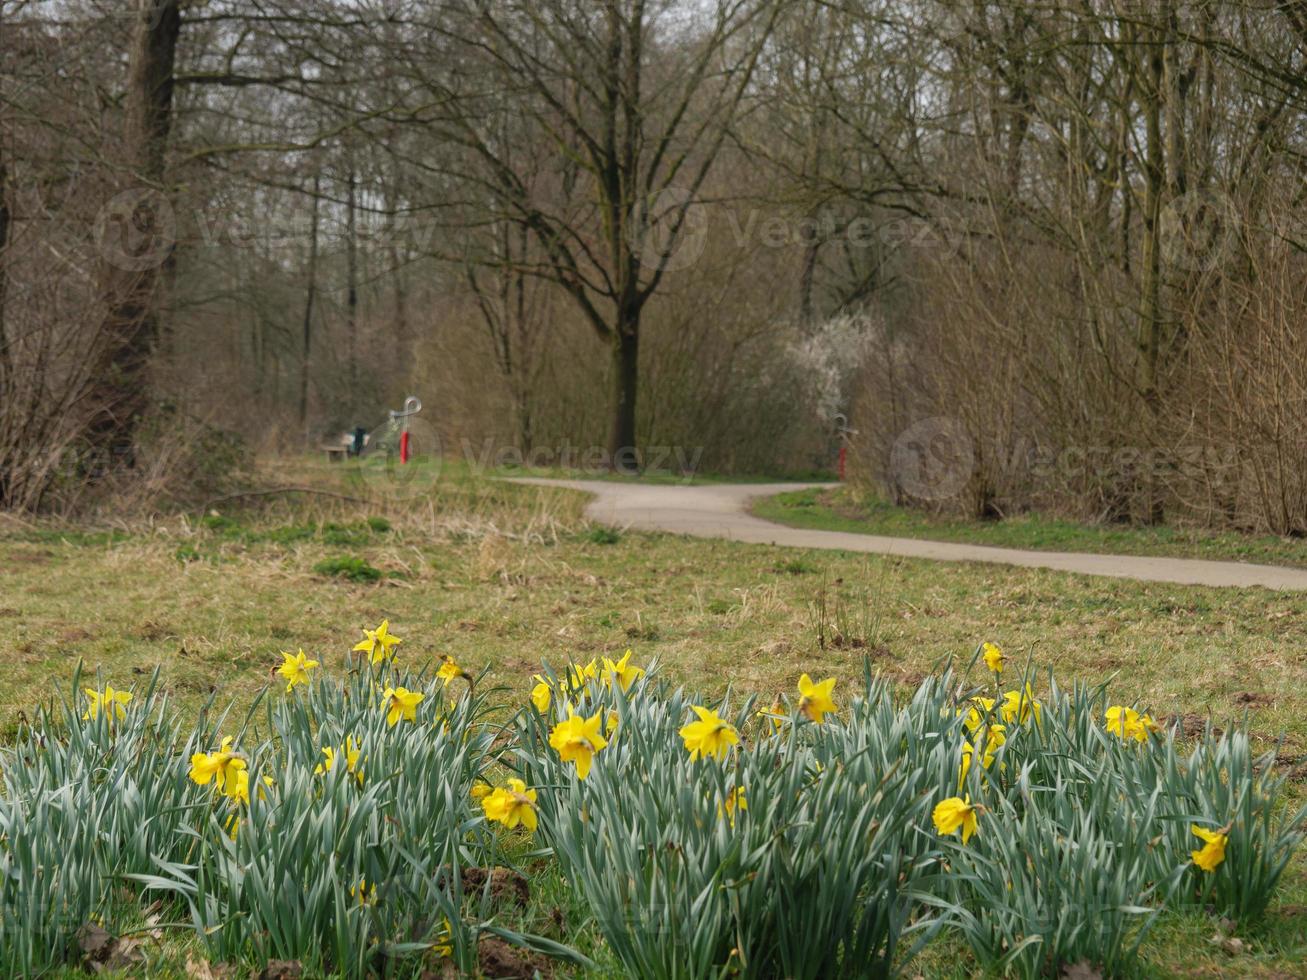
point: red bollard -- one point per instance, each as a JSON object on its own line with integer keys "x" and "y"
{"x": 844, "y": 458}
{"x": 403, "y": 450}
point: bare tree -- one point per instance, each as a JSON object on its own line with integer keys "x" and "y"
{"x": 635, "y": 98}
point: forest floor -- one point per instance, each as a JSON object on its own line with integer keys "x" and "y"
{"x": 505, "y": 576}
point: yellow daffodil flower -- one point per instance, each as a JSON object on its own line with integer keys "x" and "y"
{"x": 711, "y": 735}
{"x": 735, "y": 800}
{"x": 815, "y": 699}
{"x": 1126, "y": 723}
{"x": 776, "y": 715}
{"x": 578, "y": 674}
{"x": 329, "y": 760}
{"x": 1213, "y": 850}
{"x": 400, "y": 703}
{"x": 511, "y": 805}
{"x": 295, "y": 668}
{"x": 352, "y": 754}
{"x": 1019, "y": 705}
{"x": 994, "y": 657}
{"x": 479, "y": 791}
{"x": 622, "y": 671}
{"x": 365, "y": 894}
{"x": 216, "y": 766}
{"x": 349, "y": 751}
{"x": 613, "y": 721}
{"x": 541, "y": 695}
{"x": 993, "y": 738}
{"x": 450, "y": 670}
{"x": 443, "y": 945}
{"x": 238, "y": 782}
{"x": 577, "y": 740}
{"x": 379, "y": 644}
{"x": 955, "y": 813}
{"x": 981, "y": 708}
{"x": 113, "y": 702}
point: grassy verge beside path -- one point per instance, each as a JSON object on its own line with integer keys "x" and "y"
{"x": 846, "y": 509}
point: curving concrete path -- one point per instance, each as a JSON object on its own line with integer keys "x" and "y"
{"x": 722, "y": 511}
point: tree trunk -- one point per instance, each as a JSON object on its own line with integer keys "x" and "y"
{"x": 4, "y": 281}
{"x": 622, "y": 455}
{"x": 352, "y": 286}
{"x": 309, "y": 296}
{"x": 6, "y": 397}
{"x": 807, "y": 275}
{"x": 119, "y": 392}
{"x": 1150, "y": 313}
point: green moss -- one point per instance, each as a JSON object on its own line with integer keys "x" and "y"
{"x": 353, "y": 569}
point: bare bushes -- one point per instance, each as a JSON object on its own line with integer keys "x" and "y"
{"x": 1010, "y": 388}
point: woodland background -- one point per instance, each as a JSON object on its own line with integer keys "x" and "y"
{"x": 1071, "y": 233}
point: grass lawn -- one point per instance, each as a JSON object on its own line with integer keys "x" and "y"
{"x": 505, "y": 577}
{"x": 851, "y": 509}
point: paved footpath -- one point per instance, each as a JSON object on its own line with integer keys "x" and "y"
{"x": 722, "y": 511}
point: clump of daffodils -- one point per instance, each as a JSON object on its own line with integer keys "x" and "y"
{"x": 859, "y": 784}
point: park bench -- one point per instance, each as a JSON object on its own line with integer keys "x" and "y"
{"x": 342, "y": 446}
